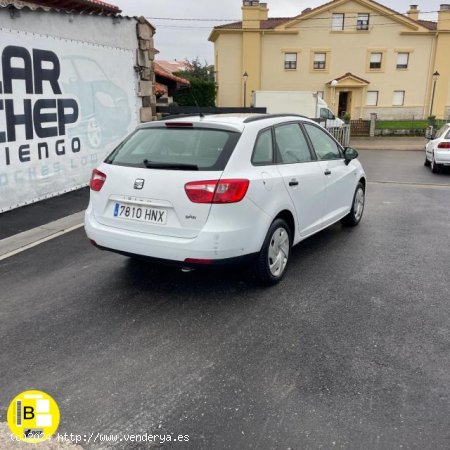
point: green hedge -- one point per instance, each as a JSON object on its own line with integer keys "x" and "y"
{"x": 405, "y": 124}
{"x": 200, "y": 91}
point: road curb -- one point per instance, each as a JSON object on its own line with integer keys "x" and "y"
{"x": 23, "y": 241}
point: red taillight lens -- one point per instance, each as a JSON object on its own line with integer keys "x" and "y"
{"x": 444, "y": 145}
{"x": 216, "y": 191}
{"x": 97, "y": 180}
{"x": 198, "y": 261}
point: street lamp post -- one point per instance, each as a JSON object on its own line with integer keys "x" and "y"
{"x": 436, "y": 76}
{"x": 245, "y": 78}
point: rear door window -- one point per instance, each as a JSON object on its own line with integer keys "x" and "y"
{"x": 292, "y": 144}
{"x": 206, "y": 149}
{"x": 325, "y": 146}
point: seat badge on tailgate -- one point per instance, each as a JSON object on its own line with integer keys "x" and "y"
{"x": 139, "y": 183}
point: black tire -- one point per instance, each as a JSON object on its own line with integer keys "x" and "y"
{"x": 426, "y": 163}
{"x": 263, "y": 267}
{"x": 355, "y": 215}
{"x": 435, "y": 168}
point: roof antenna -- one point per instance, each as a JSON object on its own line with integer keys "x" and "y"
{"x": 196, "y": 103}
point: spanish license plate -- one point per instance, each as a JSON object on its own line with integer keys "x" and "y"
{"x": 140, "y": 213}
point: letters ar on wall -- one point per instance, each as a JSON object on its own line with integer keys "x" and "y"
{"x": 64, "y": 105}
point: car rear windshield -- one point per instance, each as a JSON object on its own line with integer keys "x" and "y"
{"x": 176, "y": 148}
{"x": 442, "y": 131}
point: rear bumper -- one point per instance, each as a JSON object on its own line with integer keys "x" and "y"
{"x": 213, "y": 244}
{"x": 211, "y": 264}
{"x": 442, "y": 157}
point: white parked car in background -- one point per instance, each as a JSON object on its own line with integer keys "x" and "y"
{"x": 199, "y": 191}
{"x": 437, "y": 150}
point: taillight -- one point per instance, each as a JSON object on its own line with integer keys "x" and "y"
{"x": 97, "y": 180}
{"x": 216, "y": 191}
{"x": 444, "y": 145}
{"x": 198, "y": 261}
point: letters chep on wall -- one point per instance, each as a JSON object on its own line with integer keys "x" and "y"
{"x": 64, "y": 105}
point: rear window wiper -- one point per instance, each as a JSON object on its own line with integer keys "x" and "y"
{"x": 167, "y": 165}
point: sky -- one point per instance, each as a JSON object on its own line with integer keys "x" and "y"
{"x": 188, "y": 39}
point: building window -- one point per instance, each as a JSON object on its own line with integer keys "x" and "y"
{"x": 290, "y": 60}
{"x": 362, "y": 22}
{"x": 399, "y": 98}
{"x": 375, "y": 60}
{"x": 320, "y": 60}
{"x": 402, "y": 60}
{"x": 337, "y": 22}
{"x": 372, "y": 98}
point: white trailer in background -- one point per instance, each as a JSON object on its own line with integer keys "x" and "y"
{"x": 305, "y": 103}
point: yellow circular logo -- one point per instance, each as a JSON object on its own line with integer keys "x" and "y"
{"x": 33, "y": 416}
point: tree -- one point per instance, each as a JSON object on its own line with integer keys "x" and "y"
{"x": 202, "y": 89}
{"x": 195, "y": 69}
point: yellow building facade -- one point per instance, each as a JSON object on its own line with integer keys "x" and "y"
{"x": 360, "y": 56}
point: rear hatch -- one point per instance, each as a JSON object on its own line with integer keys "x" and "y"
{"x": 144, "y": 189}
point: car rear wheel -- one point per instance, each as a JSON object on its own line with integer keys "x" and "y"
{"x": 355, "y": 215}
{"x": 274, "y": 255}
{"x": 435, "y": 168}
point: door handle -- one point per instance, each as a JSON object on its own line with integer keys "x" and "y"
{"x": 327, "y": 172}
{"x": 293, "y": 182}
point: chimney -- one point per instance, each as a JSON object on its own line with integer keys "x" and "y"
{"x": 444, "y": 17}
{"x": 413, "y": 12}
{"x": 253, "y": 12}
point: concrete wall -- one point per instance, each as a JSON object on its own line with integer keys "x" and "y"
{"x": 393, "y": 113}
{"x": 112, "y": 32}
{"x": 101, "y": 75}
{"x": 101, "y": 30}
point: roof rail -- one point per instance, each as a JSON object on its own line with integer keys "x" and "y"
{"x": 271, "y": 116}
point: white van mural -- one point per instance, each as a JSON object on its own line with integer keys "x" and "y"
{"x": 63, "y": 106}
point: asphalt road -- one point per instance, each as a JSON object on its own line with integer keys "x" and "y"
{"x": 350, "y": 351}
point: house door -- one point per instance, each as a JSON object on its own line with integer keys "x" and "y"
{"x": 344, "y": 103}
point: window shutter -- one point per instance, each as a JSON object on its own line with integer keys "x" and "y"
{"x": 375, "y": 58}
{"x": 402, "y": 60}
{"x": 372, "y": 98}
{"x": 319, "y": 57}
{"x": 337, "y": 22}
{"x": 399, "y": 98}
{"x": 290, "y": 57}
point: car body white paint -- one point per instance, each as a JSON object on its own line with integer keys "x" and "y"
{"x": 441, "y": 156}
{"x": 221, "y": 231}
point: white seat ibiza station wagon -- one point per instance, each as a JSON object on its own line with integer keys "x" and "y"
{"x": 217, "y": 189}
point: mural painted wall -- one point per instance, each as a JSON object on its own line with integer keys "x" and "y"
{"x": 64, "y": 105}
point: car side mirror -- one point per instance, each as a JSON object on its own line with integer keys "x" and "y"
{"x": 349, "y": 154}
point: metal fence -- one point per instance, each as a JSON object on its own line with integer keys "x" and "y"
{"x": 341, "y": 134}
{"x": 360, "y": 127}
